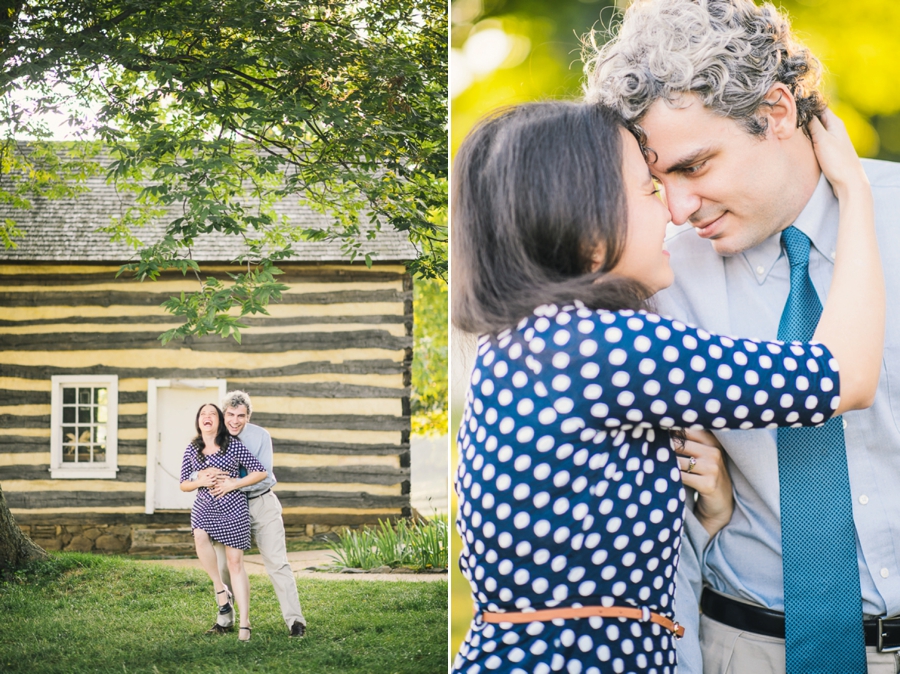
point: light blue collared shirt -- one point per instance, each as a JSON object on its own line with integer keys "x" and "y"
{"x": 744, "y": 295}
{"x": 259, "y": 442}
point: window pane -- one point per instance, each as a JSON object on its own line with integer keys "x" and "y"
{"x": 69, "y": 396}
{"x": 84, "y": 396}
{"x": 68, "y": 415}
{"x": 99, "y": 435}
{"x": 99, "y": 396}
{"x": 100, "y": 453}
{"x": 84, "y": 454}
{"x": 68, "y": 453}
{"x": 101, "y": 414}
{"x": 84, "y": 435}
{"x": 69, "y": 434}
{"x": 84, "y": 415}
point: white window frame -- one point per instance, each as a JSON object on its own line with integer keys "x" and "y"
{"x": 105, "y": 470}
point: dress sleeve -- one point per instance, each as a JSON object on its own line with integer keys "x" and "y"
{"x": 187, "y": 463}
{"x": 245, "y": 458}
{"x": 620, "y": 369}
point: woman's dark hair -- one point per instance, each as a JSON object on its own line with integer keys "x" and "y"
{"x": 537, "y": 191}
{"x": 223, "y": 437}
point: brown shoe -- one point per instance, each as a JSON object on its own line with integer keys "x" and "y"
{"x": 298, "y": 629}
{"x": 219, "y": 629}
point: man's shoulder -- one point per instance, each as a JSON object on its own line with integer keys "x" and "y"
{"x": 253, "y": 432}
{"x": 882, "y": 174}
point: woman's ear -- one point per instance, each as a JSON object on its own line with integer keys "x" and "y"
{"x": 598, "y": 258}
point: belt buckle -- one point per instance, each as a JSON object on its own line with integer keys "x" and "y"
{"x": 892, "y": 647}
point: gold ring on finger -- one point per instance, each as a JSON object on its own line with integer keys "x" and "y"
{"x": 691, "y": 464}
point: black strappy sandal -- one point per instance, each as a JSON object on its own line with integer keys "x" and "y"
{"x": 226, "y": 607}
{"x": 248, "y": 634}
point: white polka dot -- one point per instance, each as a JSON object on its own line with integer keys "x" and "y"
{"x": 525, "y": 434}
{"x": 541, "y": 528}
{"x": 560, "y": 382}
{"x": 590, "y": 370}
{"x": 621, "y": 378}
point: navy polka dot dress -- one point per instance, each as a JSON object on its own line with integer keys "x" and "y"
{"x": 225, "y": 519}
{"x": 569, "y": 493}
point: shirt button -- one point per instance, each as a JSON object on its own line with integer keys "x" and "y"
{"x": 864, "y": 499}
{"x": 832, "y": 254}
{"x": 844, "y": 422}
{"x": 760, "y": 270}
{"x": 885, "y": 573}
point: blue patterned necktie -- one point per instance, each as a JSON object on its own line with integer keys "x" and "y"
{"x": 822, "y": 599}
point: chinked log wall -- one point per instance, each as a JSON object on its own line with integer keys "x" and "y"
{"x": 329, "y": 372}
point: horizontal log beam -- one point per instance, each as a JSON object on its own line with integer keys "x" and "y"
{"x": 42, "y": 472}
{"x": 317, "y": 390}
{"x": 73, "y": 499}
{"x": 250, "y": 343}
{"x": 14, "y": 444}
{"x": 379, "y": 366}
{"x": 17, "y": 397}
{"x": 253, "y": 322}
{"x": 337, "y": 422}
{"x": 349, "y": 474}
{"x": 107, "y": 298}
{"x": 337, "y": 448}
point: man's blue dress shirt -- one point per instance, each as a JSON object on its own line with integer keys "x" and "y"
{"x": 744, "y": 295}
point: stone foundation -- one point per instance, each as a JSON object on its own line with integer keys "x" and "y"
{"x": 146, "y": 540}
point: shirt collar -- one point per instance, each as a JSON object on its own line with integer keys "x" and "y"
{"x": 818, "y": 220}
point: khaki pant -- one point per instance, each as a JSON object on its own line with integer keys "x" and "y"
{"x": 267, "y": 529}
{"x": 727, "y": 650}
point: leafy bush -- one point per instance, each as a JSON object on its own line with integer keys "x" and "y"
{"x": 419, "y": 546}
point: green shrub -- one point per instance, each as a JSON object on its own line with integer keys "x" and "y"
{"x": 419, "y": 546}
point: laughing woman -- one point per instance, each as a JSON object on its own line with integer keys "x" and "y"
{"x": 570, "y": 498}
{"x": 220, "y": 512}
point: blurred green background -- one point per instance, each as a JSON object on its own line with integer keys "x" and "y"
{"x": 510, "y": 51}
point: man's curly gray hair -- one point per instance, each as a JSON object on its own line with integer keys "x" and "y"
{"x": 727, "y": 52}
{"x": 236, "y": 399}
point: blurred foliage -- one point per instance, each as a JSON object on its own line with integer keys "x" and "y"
{"x": 534, "y": 47}
{"x": 428, "y": 400}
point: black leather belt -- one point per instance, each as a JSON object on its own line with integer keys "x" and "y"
{"x": 250, "y": 498}
{"x": 882, "y": 633}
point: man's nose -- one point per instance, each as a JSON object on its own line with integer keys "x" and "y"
{"x": 682, "y": 201}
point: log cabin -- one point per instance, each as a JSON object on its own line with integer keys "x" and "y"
{"x": 95, "y": 414}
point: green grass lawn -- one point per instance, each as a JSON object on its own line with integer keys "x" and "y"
{"x": 87, "y": 613}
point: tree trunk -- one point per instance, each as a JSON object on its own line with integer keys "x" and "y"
{"x": 15, "y": 547}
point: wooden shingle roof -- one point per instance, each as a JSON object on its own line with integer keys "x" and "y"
{"x": 66, "y": 230}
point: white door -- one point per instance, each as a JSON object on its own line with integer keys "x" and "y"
{"x": 171, "y": 423}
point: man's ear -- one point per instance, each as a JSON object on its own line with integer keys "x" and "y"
{"x": 780, "y": 109}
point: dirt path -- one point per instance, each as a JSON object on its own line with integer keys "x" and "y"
{"x": 300, "y": 561}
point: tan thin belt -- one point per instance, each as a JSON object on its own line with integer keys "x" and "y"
{"x": 545, "y": 615}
